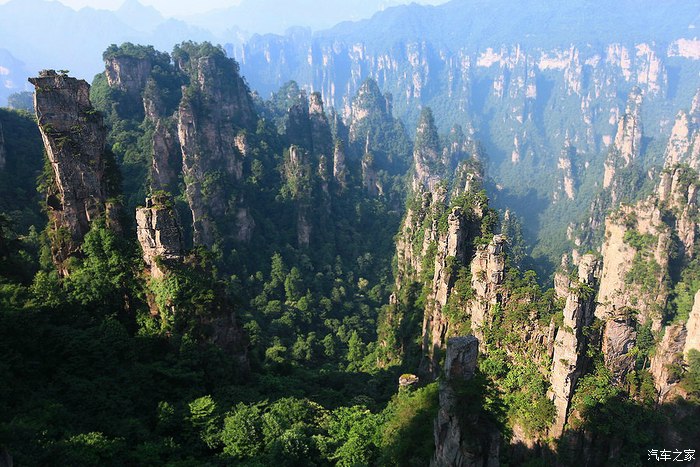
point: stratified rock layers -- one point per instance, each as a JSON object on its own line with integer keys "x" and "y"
{"x": 159, "y": 234}
{"x": 74, "y": 138}
{"x": 570, "y": 342}
{"x": 454, "y": 444}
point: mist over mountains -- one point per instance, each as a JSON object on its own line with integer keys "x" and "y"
{"x": 528, "y": 81}
{"x": 38, "y": 34}
{"x": 525, "y": 79}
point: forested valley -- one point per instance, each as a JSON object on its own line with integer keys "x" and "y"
{"x": 194, "y": 274}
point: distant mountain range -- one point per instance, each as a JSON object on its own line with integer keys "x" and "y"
{"x": 45, "y": 34}
{"x": 422, "y": 53}
{"x": 273, "y": 16}
{"x": 490, "y": 23}
{"x": 38, "y": 34}
{"x": 531, "y": 81}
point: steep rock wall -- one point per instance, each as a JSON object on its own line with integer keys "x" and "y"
{"x": 488, "y": 273}
{"x": 568, "y": 361}
{"x": 215, "y": 108}
{"x": 454, "y": 445}
{"x": 692, "y": 340}
{"x": 74, "y": 139}
{"x": 159, "y": 235}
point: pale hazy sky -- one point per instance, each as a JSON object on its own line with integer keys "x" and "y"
{"x": 188, "y": 7}
{"x": 167, "y": 7}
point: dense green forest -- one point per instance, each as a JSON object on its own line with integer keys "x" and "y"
{"x": 289, "y": 216}
{"x": 96, "y": 379}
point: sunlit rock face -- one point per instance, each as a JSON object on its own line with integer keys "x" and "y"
{"x": 74, "y": 139}
{"x": 159, "y": 234}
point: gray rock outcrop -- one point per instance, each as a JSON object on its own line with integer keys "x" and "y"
{"x": 74, "y": 139}
{"x": 428, "y": 163}
{"x": 570, "y": 342}
{"x": 340, "y": 171}
{"x": 454, "y": 445}
{"x": 166, "y": 164}
{"x": 370, "y": 180}
{"x": 488, "y": 274}
{"x": 679, "y": 192}
{"x": 159, "y": 235}
{"x": 632, "y": 287}
{"x": 625, "y": 149}
{"x": 128, "y": 73}
{"x": 668, "y": 354}
{"x": 451, "y": 251}
{"x": 684, "y": 143}
{"x": 566, "y": 183}
{"x": 692, "y": 339}
{"x": 214, "y": 111}
{"x": 297, "y": 172}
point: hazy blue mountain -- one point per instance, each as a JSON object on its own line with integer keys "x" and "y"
{"x": 13, "y": 75}
{"x": 45, "y": 34}
{"x": 468, "y": 26}
{"x": 48, "y": 34}
{"x": 139, "y": 17}
{"x": 272, "y": 16}
{"x": 527, "y": 78}
{"x": 481, "y": 23}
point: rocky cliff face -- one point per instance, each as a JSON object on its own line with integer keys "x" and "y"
{"x": 367, "y": 107}
{"x": 684, "y": 142}
{"x": 435, "y": 246}
{"x": 307, "y": 171}
{"x": 632, "y": 289}
{"x": 646, "y": 246}
{"x": 370, "y": 181}
{"x": 166, "y": 165}
{"x": 167, "y": 162}
{"x": 340, "y": 172}
{"x": 629, "y": 128}
{"x": 436, "y": 240}
{"x": 428, "y": 162}
{"x": 668, "y": 354}
{"x": 627, "y": 144}
{"x": 568, "y": 361}
{"x": 159, "y": 234}
{"x": 509, "y": 86}
{"x": 452, "y": 251}
{"x": 196, "y": 111}
{"x": 692, "y": 340}
{"x": 298, "y": 172}
{"x": 215, "y": 109}
{"x": 678, "y": 191}
{"x": 74, "y": 139}
{"x": 129, "y": 74}
{"x": 469, "y": 176}
{"x": 322, "y": 139}
{"x": 488, "y": 272}
{"x": 622, "y": 175}
{"x": 525, "y": 102}
{"x": 454, "y": 444}
{"x": 197, "y": 133}
{"x": 377, "y": 137}
{"x": 417, "y": 232}
{"x": 566, "y": 183}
